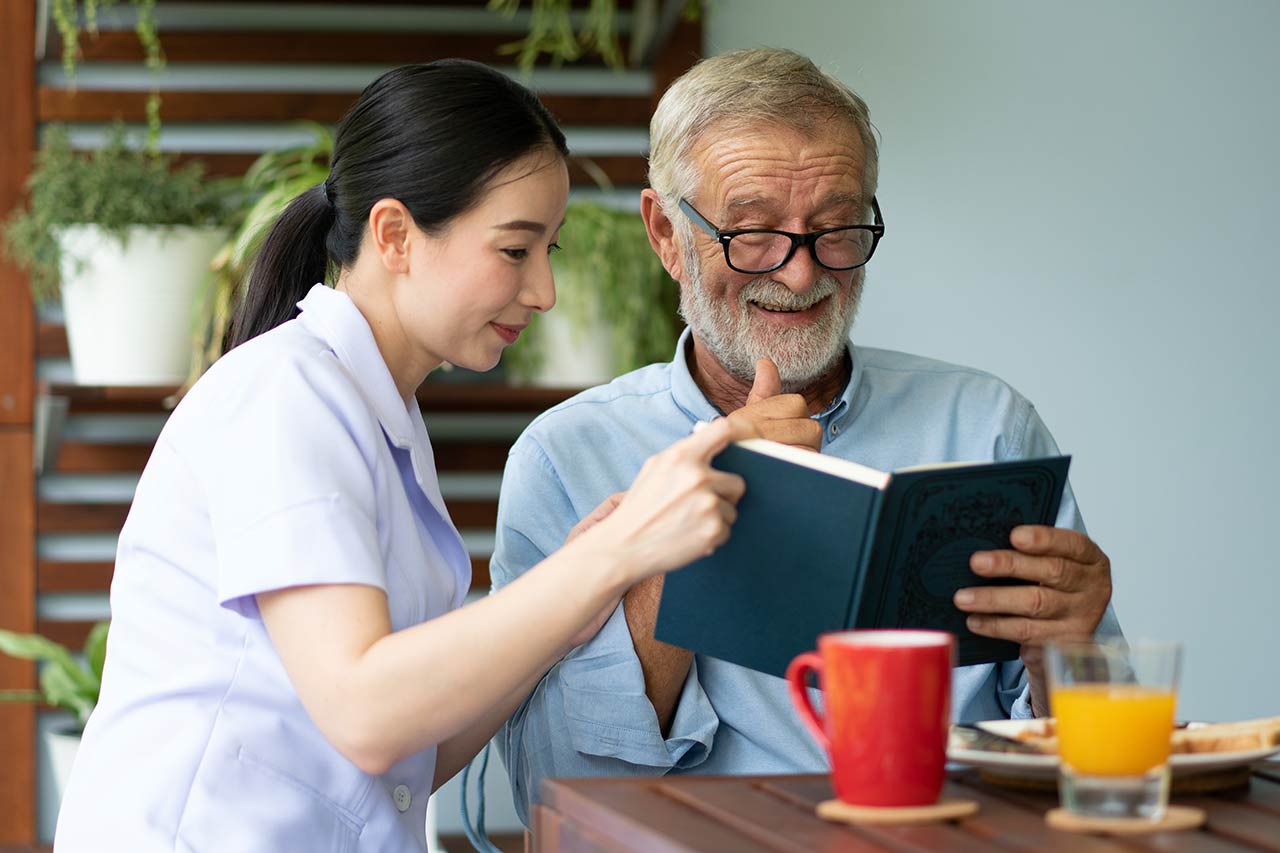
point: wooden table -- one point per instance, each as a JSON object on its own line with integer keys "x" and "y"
{"x": 744, "y": 814}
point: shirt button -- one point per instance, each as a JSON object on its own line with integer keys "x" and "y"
{"x": 402, "y": 797}
{"x": 835, "y": 430}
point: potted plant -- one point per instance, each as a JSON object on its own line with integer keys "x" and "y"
{"x": 616, "y": 307}
{"x": 65, "y": 683}
{"x": 125, "y": 238}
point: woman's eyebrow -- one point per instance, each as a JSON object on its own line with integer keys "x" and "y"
{"x": 521, "y": 225}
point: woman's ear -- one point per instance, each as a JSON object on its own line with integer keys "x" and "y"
{"x": 390, "y": 225}
{"x": 661, "y": 233}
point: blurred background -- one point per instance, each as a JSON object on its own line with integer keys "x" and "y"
{"x": 1078, "y": 198}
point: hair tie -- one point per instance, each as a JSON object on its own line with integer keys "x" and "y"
{"x": 324, "y": 188}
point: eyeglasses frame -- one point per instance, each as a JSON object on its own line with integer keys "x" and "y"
{"x": 809, "y": 239}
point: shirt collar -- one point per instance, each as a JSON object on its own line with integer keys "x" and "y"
{"x": 334, "y": 318}
{"x": 689, "y": 397}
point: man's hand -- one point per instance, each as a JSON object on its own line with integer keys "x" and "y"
{"x": 1071, "y": 589}
{"x": 777, "y": 416}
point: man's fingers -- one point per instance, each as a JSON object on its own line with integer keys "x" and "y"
{"x": 1036, "y": 602}
{"x": 799, "y": 432}
{"x": 1019, "y": 629}
{"x": 1055, "y": 541}
{"x": 767, "y": 383}
{"x": 1057, "y": 572}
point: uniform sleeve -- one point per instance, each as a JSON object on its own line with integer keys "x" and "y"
{"x": 291, "y": 487}
{"x": 1034, "y": 441}
{"x": 589, "y": 716}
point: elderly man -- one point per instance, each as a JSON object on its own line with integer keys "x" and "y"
{"x": 763, "y": 208}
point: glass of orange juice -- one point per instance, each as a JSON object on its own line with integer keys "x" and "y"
{"x": 1114, "y": 705}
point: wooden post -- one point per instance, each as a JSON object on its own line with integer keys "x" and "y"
{"x": 17, "y": 392}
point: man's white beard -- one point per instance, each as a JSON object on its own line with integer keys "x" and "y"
{"x": 802, "y": 354}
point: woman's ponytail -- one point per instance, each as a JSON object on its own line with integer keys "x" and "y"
{"x": 293, "y": 257}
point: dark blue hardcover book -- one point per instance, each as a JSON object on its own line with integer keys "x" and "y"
{"x": 823, "y": 544}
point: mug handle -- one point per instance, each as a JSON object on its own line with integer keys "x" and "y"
{"x": 797, "y": 671}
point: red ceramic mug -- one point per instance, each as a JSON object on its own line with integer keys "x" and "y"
{"x": 887, "y": 696}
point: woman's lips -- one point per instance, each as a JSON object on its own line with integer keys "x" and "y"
{"x": 507, "y": 333}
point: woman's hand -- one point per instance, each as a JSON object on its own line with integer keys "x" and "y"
{"x": 679, "y": 508}
{"x": 597, "y": 515}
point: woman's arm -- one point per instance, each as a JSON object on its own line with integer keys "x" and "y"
{"x": 380, "y": 696}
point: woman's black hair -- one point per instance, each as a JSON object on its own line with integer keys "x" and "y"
{"x": 431, "y": 136}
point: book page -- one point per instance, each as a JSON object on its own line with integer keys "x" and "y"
{"x": 818, "y": 462}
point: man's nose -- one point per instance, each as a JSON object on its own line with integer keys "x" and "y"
{"x": 800, "y": 272}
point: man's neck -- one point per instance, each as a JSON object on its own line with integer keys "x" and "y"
{"x": 728, "y": 393}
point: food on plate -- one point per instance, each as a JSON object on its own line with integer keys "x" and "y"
{"x": 1263, "y": 733}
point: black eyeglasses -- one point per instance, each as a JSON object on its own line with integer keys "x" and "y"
{"x": 761, "y": 250}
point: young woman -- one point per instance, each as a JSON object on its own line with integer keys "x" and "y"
{"x": 289, "y": 666}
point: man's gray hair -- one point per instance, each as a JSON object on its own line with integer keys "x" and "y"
{"x": 741, "y": 89}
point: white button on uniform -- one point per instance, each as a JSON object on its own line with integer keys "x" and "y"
{"x": 835, "y": 430}
{"x": 402, "y": 797}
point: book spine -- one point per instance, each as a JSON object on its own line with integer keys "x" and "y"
{"x": 863, "y": 562}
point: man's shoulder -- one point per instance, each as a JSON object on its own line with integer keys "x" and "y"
{"x": 892, "y": 366}
{"x": 614, "y": 399}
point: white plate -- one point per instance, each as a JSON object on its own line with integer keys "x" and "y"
{"x": 1046, "y": 766}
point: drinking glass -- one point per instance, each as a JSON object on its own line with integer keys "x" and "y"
{"x": 1114, "y": 705}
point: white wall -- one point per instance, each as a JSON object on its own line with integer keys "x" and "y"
{"x": 1084, "y": 198}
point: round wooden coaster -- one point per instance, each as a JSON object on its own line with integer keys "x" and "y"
{"x": 942, "y": 810}
{"x": 1175, "y": 818}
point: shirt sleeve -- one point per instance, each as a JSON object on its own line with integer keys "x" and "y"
{"x": 291, "y": 485}
{"x": 1035, "y": 441}
{"x": 589, "y": 715}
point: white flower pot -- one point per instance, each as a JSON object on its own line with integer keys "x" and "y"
{"x": 129, "y": 308}
{"x": 62, "y": 745}
{"x": 573, "y": 356}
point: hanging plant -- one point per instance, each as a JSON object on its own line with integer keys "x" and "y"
{"x": 67, "y": 16}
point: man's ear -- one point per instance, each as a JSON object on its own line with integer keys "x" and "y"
{"x": 390, "y": 225}
{"x": 661, "y": 233}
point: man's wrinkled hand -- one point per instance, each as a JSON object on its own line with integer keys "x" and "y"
{"x": 776, "y": 416}
{"x": 1068, "y": 594}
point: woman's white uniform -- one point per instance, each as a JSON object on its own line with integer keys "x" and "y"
{"x": 293, "y": 461}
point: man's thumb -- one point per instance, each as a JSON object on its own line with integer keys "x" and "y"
{"x": 767, "y": 382}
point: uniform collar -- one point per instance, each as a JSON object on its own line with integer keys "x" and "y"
{"x": 334, "y": 318}
{"x": 689, "y": 397}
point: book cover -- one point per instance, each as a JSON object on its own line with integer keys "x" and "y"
{"x": 814, "y": 551}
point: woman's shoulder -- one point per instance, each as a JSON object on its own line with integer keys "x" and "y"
{"x": 280, "y": 377}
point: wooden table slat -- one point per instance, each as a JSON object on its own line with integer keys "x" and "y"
{"x": 1172, "y": 842}
{"x": 632, "y": 809}
{"x": 806, "y": 790}
{"x": 778, "y": 822}
{"x": 1020, "y": 826}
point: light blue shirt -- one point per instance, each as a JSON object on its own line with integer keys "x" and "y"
{"x": 589, "y": 716}
{"x": 293, "y": 461}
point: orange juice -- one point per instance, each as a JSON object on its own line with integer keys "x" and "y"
{"x": 1113, "y": 729}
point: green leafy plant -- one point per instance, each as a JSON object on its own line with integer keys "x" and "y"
{"x": 114, "y": 187}
{"x": 552, "y": 31}
{"x": 65, "y": 682}
{"x": 67, "y": 18}
{"x": 607, "y": 273}
{"x": 272, "y": 181}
